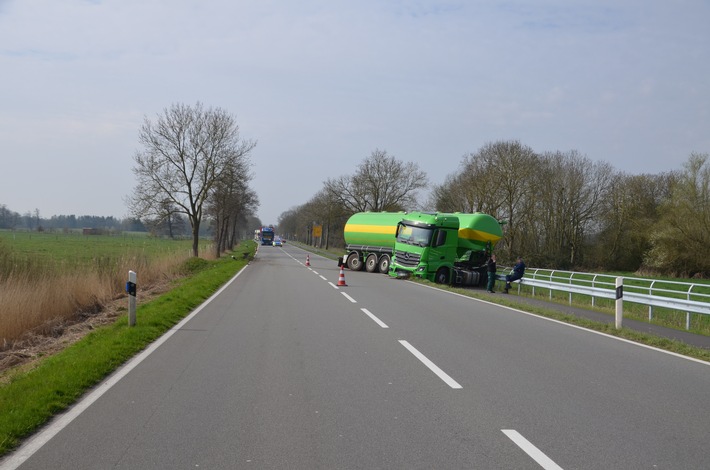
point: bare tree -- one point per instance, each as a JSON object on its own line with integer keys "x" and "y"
{"x": 570, "y": 191}
{"x": 38, "y": 220}
{"x": 8, "y": 218}
{"x": 230, "y": 203}
{"x": 381, "y": 183}
{"x": 510, "y": 165}
{"x": 475, "y": 187}
{"x": 185, "y": 152}
{"x": 626, "y": 217}
{"x": 448, "y": 196}
{"x": 680, "y": 241}
{"x": 495, "y": 180}
{"x": 330, "y": 215}
{"x": 290, "y": 223}
{"x": 170, "y": 222}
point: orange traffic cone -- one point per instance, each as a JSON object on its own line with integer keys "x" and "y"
{"x": 308, "y": 260}
{"x": 341, "y": 279}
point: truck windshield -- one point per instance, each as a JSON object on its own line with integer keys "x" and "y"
{"x": 414, "y": 235}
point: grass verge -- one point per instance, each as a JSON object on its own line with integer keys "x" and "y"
{"x": 666, "y": 344}
{"x": 30, "y": 398}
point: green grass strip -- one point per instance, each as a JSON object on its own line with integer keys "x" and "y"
{"x": 29, "y": 399}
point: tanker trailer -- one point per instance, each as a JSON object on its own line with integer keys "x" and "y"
{"x": 477, "y": 236}
{"x": 369, "y": 240}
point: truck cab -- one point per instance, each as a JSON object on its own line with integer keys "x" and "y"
{"x": 425, "y": 246}
{"x": 267, "y": 236}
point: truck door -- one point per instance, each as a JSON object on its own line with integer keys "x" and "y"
{"x": 440, "y": 250}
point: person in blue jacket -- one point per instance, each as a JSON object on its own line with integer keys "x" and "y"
{"x": 518, "y": 272}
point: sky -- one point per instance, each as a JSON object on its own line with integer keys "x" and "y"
{"x": 321, "y": 84}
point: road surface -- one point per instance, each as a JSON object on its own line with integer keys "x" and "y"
{"x": 284, "y": 369}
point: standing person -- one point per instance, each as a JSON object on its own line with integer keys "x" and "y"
{"x": 491, "y": 265}
{"x": 518, "y": 272}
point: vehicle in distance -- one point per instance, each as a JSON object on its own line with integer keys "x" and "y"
{"x": 267, "y": 235}
{"x": 278, "y": 242}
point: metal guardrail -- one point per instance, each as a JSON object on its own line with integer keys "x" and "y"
{"x": 674, "y": 295}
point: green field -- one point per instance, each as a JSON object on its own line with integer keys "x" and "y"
{"x": 75, "y": 249}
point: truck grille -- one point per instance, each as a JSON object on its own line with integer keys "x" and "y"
{"x": 407, "y": 259}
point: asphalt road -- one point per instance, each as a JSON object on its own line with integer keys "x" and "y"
{"x": 284, "y": 369}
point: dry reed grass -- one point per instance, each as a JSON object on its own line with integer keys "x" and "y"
{"x": 45, "y": 302}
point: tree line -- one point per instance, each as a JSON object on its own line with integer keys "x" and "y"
{"x": 559, "y": 210}
{"x": 175, "y": 226}
{"x": 34, "y": 221}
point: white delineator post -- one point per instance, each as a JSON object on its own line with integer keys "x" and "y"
{"x": 131, "y": 289}
{"x": 619, "y": 302}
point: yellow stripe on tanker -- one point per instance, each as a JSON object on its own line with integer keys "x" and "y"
{"x": 372, "y": 228}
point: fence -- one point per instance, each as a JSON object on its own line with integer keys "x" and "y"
{"x": 691, "y": 298}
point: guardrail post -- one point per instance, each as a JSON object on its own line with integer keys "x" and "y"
{"x": 619, "y": 302}
{"x": 687, "y": 314}
{"x": 131, "y": 289}
{"x": 650, "y": 307}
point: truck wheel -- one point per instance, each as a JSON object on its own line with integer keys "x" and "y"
{"x": 384, "y": 264}
{"x": 442, "y": 276}
{"x": 353, "y": 262}
{"x": 371, "y": 263}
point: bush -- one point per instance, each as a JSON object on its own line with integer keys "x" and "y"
{"x": 193, "y": 265}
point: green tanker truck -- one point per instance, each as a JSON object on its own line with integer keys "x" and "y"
{"x": 369, "y": 240}
{"x": 442, "y": 247}
{"x": 445, "y": 248}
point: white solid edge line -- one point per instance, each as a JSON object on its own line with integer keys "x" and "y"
{"x": 434, "y": 368}
{"x": 653, "y": 348}
{"x": 374, "y": 318}
{"x": 59, "y": 422}
{"x": 349, "y": 298}
{"x": 536, "y": 454}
